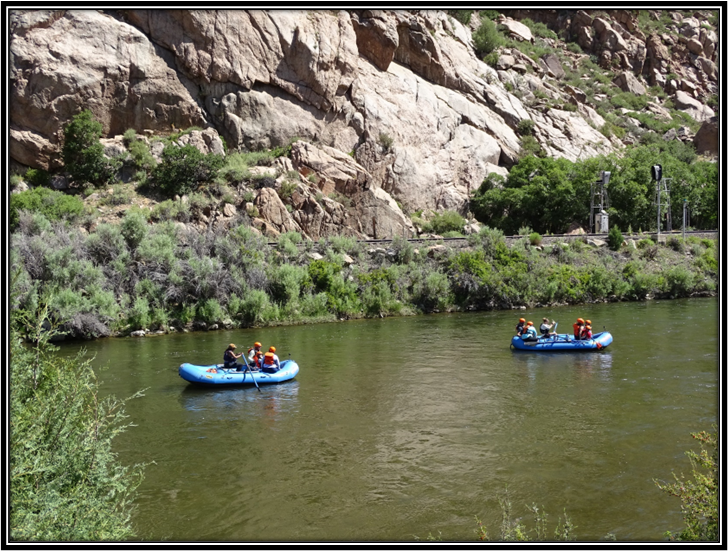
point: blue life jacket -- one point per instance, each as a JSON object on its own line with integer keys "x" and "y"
{"x": 529, "y": 333}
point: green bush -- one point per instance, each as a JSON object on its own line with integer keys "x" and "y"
{"x": 37, "y": 177}
{"x": 67, "y": 482}
{"x": 535, "y": 238}
{"x": 487, "y": 38}
{"x": 699, "y": 495}
{"x": 210, "y": 311}
{"x": 434, "y": 293}
{"x": 83, "y": 154}
{"x": 386, "y": 141}
{"x": 54, "y": 205}
{"x": 525, "y": 127}
{"x": 133, "y": 228}
{"x": 614, "y": 238}
{"x": 140, "y": 154}
{"x": 183, "y": 169}
{"x": 322, "y": 274}
{"x": 679, "y": 281}
{"x": 447, "y": 221}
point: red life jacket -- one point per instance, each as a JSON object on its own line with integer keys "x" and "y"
{"x": 268, "y": 359}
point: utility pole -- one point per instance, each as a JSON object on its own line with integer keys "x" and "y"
{"x": 598, "y": 218}
{"x": 685, "y": 214}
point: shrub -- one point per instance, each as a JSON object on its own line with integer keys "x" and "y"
{"x": 138, "y": 315}
{"x": 679, "y": 281}
{"x": 676, "y": 244}
{"x": 530, "y": 146}
{"x": 525, "y": 127}
{"x": 386, "y": 141}
{"x": 83, "y": 154}
{"x": 699, "y": 496}
{"x": 210, "y": 311}
{"x": 37, "y": 177}
{"x": 535, "y": 238}
{"x": 54, "y": 205}
{"x": 614, "y": 238}
{"x": 322, "y": 274}
{"x": 129, "y": 136}
{"x": 61, "y": 459}
{"x": 142, "y": 157}
{"x": 184, "y": 168}
{"x": 254, "y": 306}
{"x": 133, "y": 228}
{"x": 447, "y": 221}
{"x": 286, "y": 282}
{"x": 434, "y": 293}
{"x": 486, "y": 38}
{"x": 287, "y": 189}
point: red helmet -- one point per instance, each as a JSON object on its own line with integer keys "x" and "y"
{"x": 272, "y": 349}
{"x": 522, "y": 320}
{"x": 530, "y": 323}
{"x": 579, "y": 320}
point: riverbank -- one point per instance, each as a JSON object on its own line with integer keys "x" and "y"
{"x": 137, "y": 278}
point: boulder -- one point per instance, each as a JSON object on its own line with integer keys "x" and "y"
{"x": 629, "y": 83}
{"x": 552, "y": 66}
{"x": 516, "y": 29}
{"x": 273, "y": 211}
{"x": 706, "y": 138}
{"x": 693, "y": 107}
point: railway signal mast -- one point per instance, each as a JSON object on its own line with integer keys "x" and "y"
{"x": 598, "y": 217}
{"x": 662, "y": 192}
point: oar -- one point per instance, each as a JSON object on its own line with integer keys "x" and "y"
{"x": 247, "y": 368}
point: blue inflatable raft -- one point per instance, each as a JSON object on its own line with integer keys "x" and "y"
{"x": 563, "y": 342}
{"x": 217, "y": 375}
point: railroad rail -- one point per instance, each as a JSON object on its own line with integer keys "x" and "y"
{"x": 544, "y": 238}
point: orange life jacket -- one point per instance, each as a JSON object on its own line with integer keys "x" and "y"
{"x": 578, "y": 328}
{"x": 268, "y": 359}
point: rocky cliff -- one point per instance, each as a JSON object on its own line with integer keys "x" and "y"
{"x": 394, "y": 109}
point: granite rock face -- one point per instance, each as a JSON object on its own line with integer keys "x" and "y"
{"x": 393, "y": 109}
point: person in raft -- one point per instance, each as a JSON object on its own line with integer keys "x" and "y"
{"x": 271, "y": 363}
{"x": 255, "y": 355}
{"x": 546, "y": 328}
{"x": 530, "y": 333}
{"x": 587, "y": 331}
{"x": 519, "y": 327}
{"x": 578, "y": 329}
{"x": 230, "y": 358}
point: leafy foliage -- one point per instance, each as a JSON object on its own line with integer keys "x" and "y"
{"x": 52, "y": 204}
{"x": 550, "y": 194}
{"x": 486, "y": 38}
{"x": 66, "y": 482}
{"x": 83, "y": 154}
{"x": 614, "y": 238}
{"x": 184, "y": 168}
{"x": 699, "y": 496}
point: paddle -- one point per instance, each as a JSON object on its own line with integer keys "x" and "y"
{"x": 247, "y": 368}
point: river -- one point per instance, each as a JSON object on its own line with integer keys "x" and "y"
{"x": 402, "y": 427}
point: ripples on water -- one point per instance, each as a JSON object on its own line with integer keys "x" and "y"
{"x": 396, "y": 428}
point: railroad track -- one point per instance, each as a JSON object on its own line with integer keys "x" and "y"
{"x": 554, "y": 235}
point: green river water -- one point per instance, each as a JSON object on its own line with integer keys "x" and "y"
{"x": 401, "y": 427}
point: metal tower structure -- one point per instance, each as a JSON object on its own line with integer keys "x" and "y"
{"x": 598, "y": 217}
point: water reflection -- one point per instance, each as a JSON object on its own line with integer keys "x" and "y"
{"x": 270, "y": 403}
{"x": 585, "y": 364}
